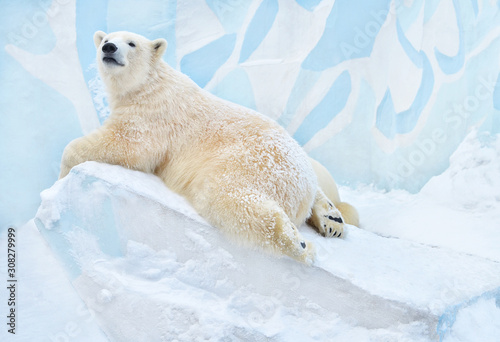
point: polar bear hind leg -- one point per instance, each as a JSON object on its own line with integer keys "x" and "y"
{"x": 254, "y": 220}
{"x": 286, "y": 238}
{"x": 349, "y": 213}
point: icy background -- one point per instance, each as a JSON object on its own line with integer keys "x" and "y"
{"x": 399, "y": 99}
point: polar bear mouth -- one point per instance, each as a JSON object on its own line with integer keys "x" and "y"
{"x": 111, "y": 60}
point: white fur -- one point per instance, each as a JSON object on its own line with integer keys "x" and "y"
{"x": 329, "y": 187}
{"x": 238, "y": 169}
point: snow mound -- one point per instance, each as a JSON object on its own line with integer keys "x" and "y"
{"x": 151, "y": 269}
{"x": 472, "y": 181}
{"x": 458, "y": 209}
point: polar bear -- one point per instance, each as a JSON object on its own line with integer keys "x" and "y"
{"x": 239, "y": 169}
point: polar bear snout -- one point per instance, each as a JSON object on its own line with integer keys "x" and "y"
{"x": 111, "y": 56}
{"x": 109, "y": 48}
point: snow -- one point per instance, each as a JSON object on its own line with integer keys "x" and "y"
{"x": 149, "y": 268}
{"x": 469, "y": 324}
{"x": 467, "y": 194}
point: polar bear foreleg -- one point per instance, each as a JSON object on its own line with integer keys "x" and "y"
{"x": 100, "y": 146}
{"x": 76, "y": 152}
{"x": 326, "y": 217}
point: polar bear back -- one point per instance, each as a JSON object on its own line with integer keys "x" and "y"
{"x": 238, "y": 150}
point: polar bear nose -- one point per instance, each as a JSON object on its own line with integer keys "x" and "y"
{"x": 109, "y": 48}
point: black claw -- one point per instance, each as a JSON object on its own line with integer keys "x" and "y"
{"x": 330, "y": 230}
{"x": 340, "y": 234}
{"x": 335, "y": 234}
{"x": 303, "y": 244}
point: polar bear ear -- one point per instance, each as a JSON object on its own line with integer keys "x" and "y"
{"x": 98, "y": 37}
{"x": 159, "y": 46}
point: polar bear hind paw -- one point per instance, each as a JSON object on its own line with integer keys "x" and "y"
{"x": 296, "y": 246}
{"x": 332, "y": 224}
{"x": 307, "y": 254}
{"x": 326, "y": 217}
{"x": 334, "y": 229}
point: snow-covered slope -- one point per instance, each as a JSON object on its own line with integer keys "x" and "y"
{"x": 150, "y": 269}
{"x": 136, "y": 250}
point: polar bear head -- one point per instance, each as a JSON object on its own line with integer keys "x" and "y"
{"x": 126, "y": 61}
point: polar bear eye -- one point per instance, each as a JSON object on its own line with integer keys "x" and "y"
{"x": 105, "y": 41}
{"x": 131, "y": 44}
